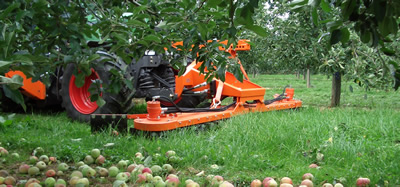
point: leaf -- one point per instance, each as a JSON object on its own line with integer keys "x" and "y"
{"x": 347, "y": 8}
{"x": 314, "y": 15}
{"x": 336, "y": 36}
{"x": 257, "y": 29}
{"x": 169, "y": 10}
{"x": 137, "y": 23}
{"x": 333, "y": 25}
{"x": 325, "y": 6}
{"x": 4, "y": 63}
{"x": 100, "y": 102}
{"x": 14, "y": 95}
{"x": 314, "y": 3}
{"x": 153, "y": 38}
{"x": 351, "y": 88}
{"x": 387, "y": 51}
{"x": 345, "y": 35}
{"x": 8, "y": 10}
{"x": 80, "y": 79}
{"x": 298, "y": 3}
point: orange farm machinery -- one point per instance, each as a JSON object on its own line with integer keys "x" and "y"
{"x": 172, "y": 100}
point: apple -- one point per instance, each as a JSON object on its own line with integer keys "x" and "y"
{"x": 2, "y": 180}
{"x": 313, "y": 166}
{"x": 15, "y": 155}
{"x": 44, "y": 158}
{"x": 53, "y": 159}
{"x": 156, "y": 179}
{"x": 256, "y": 183}
{"x": 172, "y": 182}
{"x": 38, "y": 151}
{"x": 167, "y": 167}
{"x": 50, "y": 173}
{"x": 113, "y": 171}
{"x": 131, "y": 167}
{"x": 114, "y": 133}
{"x": 3, "y": 151}
{"x": 33, "y": 159}
{"x": 122, "y": 165}
{"x": 4, "y": 173}
{"x": 102, "y": 180}
{"x": 308, "y": 176}
{"x": 286, "y": 185}
{"x": 80, "y": 163}
{"x": 226, "y": 184}
{"x": 50, "y": 181}
{"x": 100, "y": 160}
{"x": 63, "y": 167}
{"x": 156, "y": 169}
{"x": 286, "y": 180}
{"x": 41, "y": 165}
{"x": 122, "y": 176}
{"x": 172, "y": 176}
{"x": 320, "y": 157}
{"x": 88, "y": 160}
{"x": 9, "y": 180}
{"x": 327, "y": 185}
{"x": 265, "y": 181}
{"x": 271, "y": 183}
{"x": 103, "y": 172}
{"x": 23, "y": 169}
{"x": 141, "y": 178}
{"x": 89, "y": 172}
{"x": 95, "y": 153}
{"x": 170, "y": 153}
{"x": 338, "y": 185}
{"x": 160, "y": 184}
{"x": 73, "y": 181}
{"x": 147, "y": 170}
{"x": 32, "y": 181}
{"x": 217, "y": 180}
{"x": 83, "y": 181}
{"x": 83, "y": 167}
{"x": 60, "y": 173}
{"x": 32, "y": 171}
{"x": 77, "y": 174}
{"x": 118, "y": 183}
{"x": 362, "y": 182}
{"x": 188, "y": 181}
{"x": 33, "y": 185}
{"x": 307, "y": 183}
{"x": 139, "y": 156}
{"x": 193, "y": 184}
{"x": 61, "y": 181}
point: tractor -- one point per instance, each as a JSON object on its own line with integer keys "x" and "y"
{"x": 172, "y": 100}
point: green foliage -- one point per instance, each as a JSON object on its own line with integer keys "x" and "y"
{"x": 39, "y": 36}
{"x": 375, "y": 22}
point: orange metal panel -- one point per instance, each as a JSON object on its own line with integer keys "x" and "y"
{"x": 36, "y": 90}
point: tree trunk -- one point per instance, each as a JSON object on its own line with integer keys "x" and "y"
{"x": 336, "y": 89}
{"x": 308, "y": 78}
{"x": 298, "y": 74}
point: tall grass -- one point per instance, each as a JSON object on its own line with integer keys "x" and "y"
{"x": 359, "y": 139}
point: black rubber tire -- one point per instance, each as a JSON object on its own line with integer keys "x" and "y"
{"x": 113, "y": 104}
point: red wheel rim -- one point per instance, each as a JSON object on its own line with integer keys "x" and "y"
{"x": 80, "y": 97}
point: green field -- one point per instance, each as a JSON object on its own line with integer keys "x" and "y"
{"x": 359, "y": 139}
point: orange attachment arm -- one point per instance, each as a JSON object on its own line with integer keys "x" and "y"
{"x": 36, "y": 90}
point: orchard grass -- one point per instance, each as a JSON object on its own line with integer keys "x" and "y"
{"x": 359, "y": 139}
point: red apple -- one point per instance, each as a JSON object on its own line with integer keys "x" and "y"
{"x": 313, "y": 166}
{"x": 23, "y": 169}
{"x": 50, "y": 173}
{"x": 265, "y": 181}
{"x": 256, "y": 183}
{"x": 286, "y": 180}
{"x": 307, "y": 183}
{"x": 308, "y": 176}
{"x": 226, "y": 184}
{"x": 363, "y": 182}
{"x": 147, "y": 170}
{"x": 286, "y": 185}
{"x": 9, "y": 180}
{"x": 271, "y": 183}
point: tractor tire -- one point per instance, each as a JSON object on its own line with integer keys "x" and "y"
{"x": 76, "y": 100}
